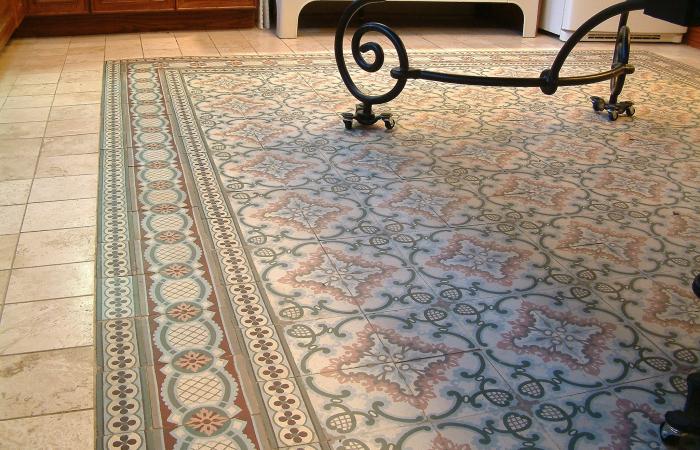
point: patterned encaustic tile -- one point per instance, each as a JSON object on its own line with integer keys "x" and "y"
{"x": 501, "y": 270}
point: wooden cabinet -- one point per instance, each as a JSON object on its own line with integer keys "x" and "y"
{"x": 56, "y": 7}
{"x": 205, "y": 4}
{"x": 132, "y": 5}
{"x": 11, "y": 14}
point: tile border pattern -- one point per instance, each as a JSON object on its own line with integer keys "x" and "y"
{"x": 137, "y": 358}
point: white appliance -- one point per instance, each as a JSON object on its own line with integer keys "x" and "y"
{"x": 563, "y": 17}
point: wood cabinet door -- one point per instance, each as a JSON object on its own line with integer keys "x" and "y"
{"x": 55, "y": 7}
{"x": 132, "y": 5}
{"x": 11, "y": 15}
{"x": 204, "y": 4}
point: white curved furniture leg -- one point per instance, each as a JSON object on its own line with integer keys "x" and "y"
{"x": 531, "y": 12}
{"x": 288, "y": 17}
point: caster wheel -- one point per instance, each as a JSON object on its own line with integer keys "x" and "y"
{"x": 347, "y": 120}
{"x": 598, "y": 104}
{"x": 630, "y": 111}
{"x": 668, "y": 434}
{"x": 389, "y": 123}
{"x": 696, "y": 286}
{"x": 613, "y": 115}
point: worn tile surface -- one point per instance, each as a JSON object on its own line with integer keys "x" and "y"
{"x": 459, "y": 280}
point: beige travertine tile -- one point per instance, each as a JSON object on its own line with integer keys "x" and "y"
{"x": 16, "y": 115}
{"x": 76, "y": 144}
{"x": 41, "y": 248}
{"x": 18, "y": 158}
{"x": 81, "y": 76}
{"x": 72, "y": 126}
{"x": 14, "y": 192}
{"x": 161, "y": 52}
{"x": 28, "y": 101}
{"x": 87, "y": 40}
{"x": 8, "y": 242}
{"x": 60, "y": 214}
{"x": 25, "y": 130}
{"x": 52, "y": 324}
{"x": 4, "y": 279}
{"x": 73, "y": 430}
{"x": 69, "y": 87}
{"x": 83, "y": 66}
{"x": 38, "y": 78}
{"x": 82, "y": 112}
{"x": 33, "y": 89}
{"x": 124, "y": 53}
{"x": 42, "y": 283}
{"x": 79, "y": 98}
{"x": 11, "y": 218}
{"x": 63, "y": 188}
{"x": 46, "y": 382}
{"x": 86, "y": 57}
{"x": 87, "y": 49}
{"x": 60, "y": 166}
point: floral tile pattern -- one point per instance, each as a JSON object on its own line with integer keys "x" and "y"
{"x": 514, "y": 274}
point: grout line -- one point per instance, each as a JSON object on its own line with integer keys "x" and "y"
{"x": 47, "y": 414}
{"x": 47, "y": 351}
{"x": 48, "y": 300}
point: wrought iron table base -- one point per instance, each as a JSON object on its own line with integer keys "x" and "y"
{"x": 548, "y": 81}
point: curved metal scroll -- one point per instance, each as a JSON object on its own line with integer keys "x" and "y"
{"x": 358, "y": 51}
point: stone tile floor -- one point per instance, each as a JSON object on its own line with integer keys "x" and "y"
{"x": 49, "y": 123}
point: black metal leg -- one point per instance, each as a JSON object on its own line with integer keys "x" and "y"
{"x": 687, "y": 421}
{"x": 364, "y": 116}
{"x": 621, "y": 55}
{"x": 548, "y": 81}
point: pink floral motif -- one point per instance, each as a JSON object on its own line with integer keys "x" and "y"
{"x": 183, "y": 312}
{"x": 276, "y": 168}
{"x": 497, "y": 263}
{"x": 671, "y": 306}
{"x": 359, "y": 276}
{"x": 632, "y": 421}
{"x": 558, "y": 336}
{"x": 535, "y": 192}
{"x": 556, "y": 147}
{"x": 603, "y": 243}
{"x": 206, "y": 421}
{"x": 301, "y": 211}
{"x": 193, "y": 361}
{"x": 423, "y": 202}
{"x": 627, "y": 183}
{"x": 365, "y": 347}
{"x": 377, "y": 157}
{"x": 685, "y": 227}
{"x": 443, "y": 443}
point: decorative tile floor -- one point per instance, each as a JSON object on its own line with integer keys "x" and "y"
{"x": 507, "y": 278}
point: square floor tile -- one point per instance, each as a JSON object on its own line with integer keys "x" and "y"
{"x": 74, "y": 430}
{"x": 11, "y": 218}
{"x": 63, "y": 188}
{"x": 46, "y": 325}
{"x": 8, "y": 243}
{"x": 18, "y": 158}
{"x": 70, "y": 127}
{"x": 16, "y": 115}
{"x": 70, "y": 145}
{"x": 43, "y": 248}
{"x": 47, "y": 382}
{"x": 14, "y": 192}
{"x": 63, "y": 280}
{"x": 61, "y": 166}
{"x": 60, "y": 214}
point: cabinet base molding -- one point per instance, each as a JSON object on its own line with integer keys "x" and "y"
{"x": 243, "y": 17}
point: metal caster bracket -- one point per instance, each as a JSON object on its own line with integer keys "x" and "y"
{"x": 614, "y": 109}
{"x": 364, "y": 116}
